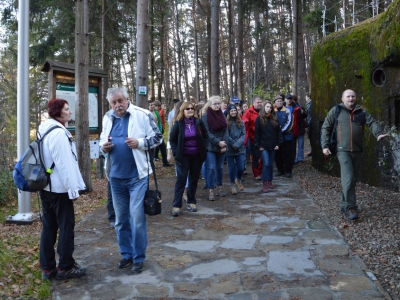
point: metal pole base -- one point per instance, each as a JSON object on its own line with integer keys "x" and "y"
{"x": 22, "y": 218}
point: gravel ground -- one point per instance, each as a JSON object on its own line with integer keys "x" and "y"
{"x": 375, "y": 236}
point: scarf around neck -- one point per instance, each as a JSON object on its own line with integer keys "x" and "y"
{"x": 216, "y": 119}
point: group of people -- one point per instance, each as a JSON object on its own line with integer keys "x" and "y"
{"x": 198, "y": 144}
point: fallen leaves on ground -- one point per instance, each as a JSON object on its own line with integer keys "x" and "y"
{"x": 375, "y": 236}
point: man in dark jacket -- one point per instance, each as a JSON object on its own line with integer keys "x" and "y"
{"x": 351, "y": 121}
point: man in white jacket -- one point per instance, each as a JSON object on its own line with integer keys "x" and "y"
{"x": 129, "y": 132}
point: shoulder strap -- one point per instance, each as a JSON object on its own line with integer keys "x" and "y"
{"x": 148, "y": 157}
{"x": 337, "y": 111}
{"x": 49, "y": 170}
{"x": 47, "y": 132}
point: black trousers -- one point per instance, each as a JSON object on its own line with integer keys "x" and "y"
{"x": 294, "y": 149}
{"x": 188, "y": 166}
{"x": 110, "y": 206}
{"x": 163, "y": 149}
{"x": 283, "y": 158}
{"x": 58, "y": 214}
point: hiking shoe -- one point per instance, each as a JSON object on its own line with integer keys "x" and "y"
{"x": 351, "y": 213}
{"x": 204, "y": 187}
{"x": 125, "y": 262}
{"x": 48, "y": 275}
{"x": 265, "y": 187}
{"x": 112, "y": 224}
{"x": 167, "y": 164}
{"x": 211, "y": 195}
{"x": 258, "y": 178}
{"x": 191, "y": 207}
{"x": 233, "y": 189}
{"x": 137, "y": 267}
{"x": 75, "y": 272}
{"x": 288, "y": 175}
{"x": 278, "y": 174}
{"x": 175, "y": 211}
{"x": 239, "y": 184}
{"x": 220, "y": 191}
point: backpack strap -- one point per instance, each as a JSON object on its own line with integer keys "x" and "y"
{"x": 49, "y": 171}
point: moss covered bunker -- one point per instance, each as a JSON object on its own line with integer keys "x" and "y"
{"x": 366, "y": 59}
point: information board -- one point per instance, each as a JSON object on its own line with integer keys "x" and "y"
{"x": 67, "y": 92}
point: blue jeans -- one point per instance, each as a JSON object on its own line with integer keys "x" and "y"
{"x": 267, "y": 164}
{"x": 300, "y": 148}
{"x": 215, "y": 168}
{"x": 235, "y": 167}
{"x": 130, "y": 220}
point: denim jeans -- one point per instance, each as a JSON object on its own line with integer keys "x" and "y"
{"x": 268, "y": 157}
{"x": 215, "y": 168}
{"x": 130, "y": 220}
{"x": 300, "y": 148}
{"x": 188, "y": 168}
{"x": 235, "y": 167}
{"x": 58, "y": 214}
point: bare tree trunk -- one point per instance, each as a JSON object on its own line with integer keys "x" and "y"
{"x": 296, "y": 9}
{"x": 240, "y": 81}
{"x": 215, "y": 69}
{"x": 142, "y": 54}
{"x": 152, "y": 92}
{"x": 82, "y": 91}
{"x": 179, "y": 52}
{"x": 185, "y": 73}
{"x": 162, "y": 66}
{"x": 302, "y": 83}
{"x": 165, "y": 47}
{"x": 231, "y": 41}
{"x": 196, "y": 53}
{"x": 209, "y": 90}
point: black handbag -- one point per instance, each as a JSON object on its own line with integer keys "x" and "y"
{"x": 152, "y": 198}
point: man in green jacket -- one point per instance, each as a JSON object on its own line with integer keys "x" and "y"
{"x": 350, "y": 131}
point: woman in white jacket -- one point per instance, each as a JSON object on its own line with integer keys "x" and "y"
{"x": 57, "y": 198}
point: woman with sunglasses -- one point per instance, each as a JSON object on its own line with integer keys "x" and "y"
{"x": 217, "y": 130}
{"x": 188, "y": 138}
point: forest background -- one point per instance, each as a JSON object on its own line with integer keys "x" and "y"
{"x": 198, "y": 48}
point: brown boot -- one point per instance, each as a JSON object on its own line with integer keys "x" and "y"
{"x": 211, "y": 196}
{"x": 265, "y": 187}
{"x": 270, "y": 185}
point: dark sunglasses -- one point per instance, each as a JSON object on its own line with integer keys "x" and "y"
{"x": 189, "y": 108}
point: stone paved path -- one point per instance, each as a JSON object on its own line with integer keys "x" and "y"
{"x": 246, "y": 246}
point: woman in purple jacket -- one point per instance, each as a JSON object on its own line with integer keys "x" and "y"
{"x": 188, "y": 144}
